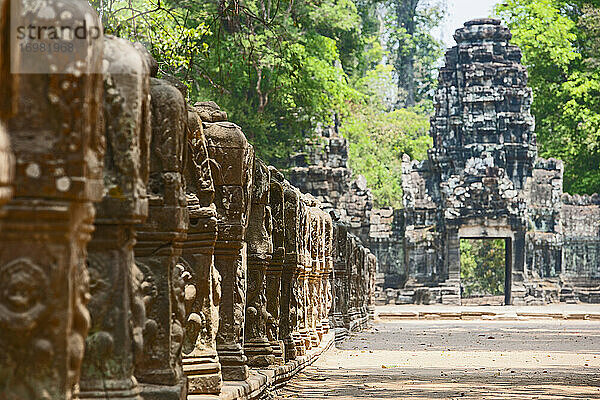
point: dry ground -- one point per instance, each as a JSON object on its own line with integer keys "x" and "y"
{"x": 420, "y": 359}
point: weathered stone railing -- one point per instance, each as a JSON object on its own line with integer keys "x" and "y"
{"x": 200, "y": 265}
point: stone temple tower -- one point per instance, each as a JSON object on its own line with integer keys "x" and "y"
{"x": 473, "y": 184}
{"x": 484, "y": 144}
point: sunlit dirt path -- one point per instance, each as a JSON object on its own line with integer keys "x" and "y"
{"x": 544, "y": 359}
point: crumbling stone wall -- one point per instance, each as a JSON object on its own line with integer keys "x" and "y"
{"x": 200, "y": 264}
{"x": 323, "y": 172}
{"x": 386, "y": 239}
{"x": 580, "y": 273}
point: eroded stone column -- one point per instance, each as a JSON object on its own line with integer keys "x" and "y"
{"x": 8, "y": 82}
{"x": 340, "y": 305}
{"x": 158, "y": 249}
{"x": 353, "y": 282}
{"x": 313, "y": 277}
{"x": 371, "y": 278}
{"x": 48, "y": 223}
{"x": 260, "y": 250}
{"x": 203, "y": 294}
{"x": 364, "y": 284}
{"x": 289, "y": 321}
{"x": 228, "y": 146}
{"x": 116, "y": 308}
{"x": 326, "y": 274}
{"x": 275, "y": 268}
{"x": 304, "y": 301}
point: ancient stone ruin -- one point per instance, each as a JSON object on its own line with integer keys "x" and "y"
{"x": 482, "y": 179}
{"x": 145, "y": 251}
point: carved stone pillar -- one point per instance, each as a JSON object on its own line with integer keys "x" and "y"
{"x": 365, "y": 278}
{"x": 260, "y": 250}
{"x": 48, "y": 223}
{"x": 158, "y": 249}
{"x": 371, "y": 293}
{"x": 288, "y": 329}
{"x": 203, "y": 294}
{"x": 118, "y": 316}
{"x": 8, "y": 83}
{"x": 350, "y": 315}
{"x": 340, "y": 306}
{"x": 320, "y": 289}
{"x": 313, "y": 274}
{"x": 327, "y": 295}
{"x": 275, "y": 268}
{"x": 228, "y": 146}
{"x": 304, "y": 303}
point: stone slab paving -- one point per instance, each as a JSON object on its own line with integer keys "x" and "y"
{"x": 458, "y": 359}
{"x": 580, "y": 311}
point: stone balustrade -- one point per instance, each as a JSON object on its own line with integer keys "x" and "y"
{"x": 205, "y": 272}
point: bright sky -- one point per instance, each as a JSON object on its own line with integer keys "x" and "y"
{"x": 460, "y": 11}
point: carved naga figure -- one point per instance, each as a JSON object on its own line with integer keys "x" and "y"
{"x": 304, "y": 302}
{"x": 288, "y": 328}
{"x": 326, "y": 294}
{"x": 275, "y": 268}
{"x": 158, "y": 249}
{"x": 107, "y": 370}
{"x": 260, "y": 250}
{"x": 203, "y": 293}
{"x": 47, "y": 224}
{"x": 228, "y": 147}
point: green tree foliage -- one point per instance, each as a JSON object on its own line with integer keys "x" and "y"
{"x": 560, "y": 42}
{"x": 276, "y": 66}
{"x": 414, "y": 52}
{"x": 386, "y": 124}
{"x": 482, "y": 266}
{"x": 281, "y": 67}
{"x": 377, "y": 141}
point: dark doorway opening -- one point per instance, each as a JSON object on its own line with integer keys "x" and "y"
{"x": 485, "y": 271}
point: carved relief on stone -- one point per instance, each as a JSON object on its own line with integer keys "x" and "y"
{"x": 158, "y": 248}
{"x": 228, "y": 147}
{"x": 326, "y": 274}
{"x": 288, "y": 325}
{"x": 260, "y": 250}
{"x": 108, "y": 365}
{"x": 303, "y": 295}
{"x": 372, "y": 263}
{"x": 275, "y": 268}
{"x": 312, "y": 274}
{"x": 9, "y": 52}
{"x": 351, "y": 251}
{"x": 203, "y": 293}
{"x": 43, "y": 280}
{"x": 339, "y": 308}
